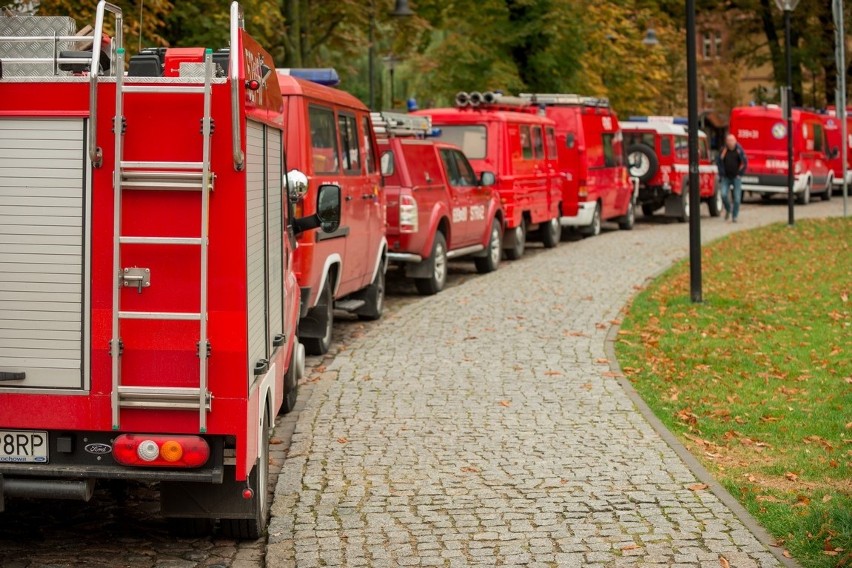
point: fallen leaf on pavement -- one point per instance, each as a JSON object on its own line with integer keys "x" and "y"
{"x": 786, "y": 554}
{"x": 601, "y": 361}
{"x": 342, "y": 440}
{"x": 505, "y": 403}
{"x": 697, "y": 487}
{"x": 630, "y": 547}
{"x": 470, "y": 469}
{"x": 723, "y": 562}
{"x": 611, "y": 374}
{"x": 553, "y": 373}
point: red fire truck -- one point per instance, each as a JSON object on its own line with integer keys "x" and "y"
{"x": 148, "y": 305}
{"x": 833, "y": 134}
{"x": 589, "y": 142}
{"x": 438, "y": 209}
{"x": 329, "y": 140}
{"x": 506, "y": 136}
{"x": 762, "y": 132}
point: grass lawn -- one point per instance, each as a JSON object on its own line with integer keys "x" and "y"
{"x": 757, "y": 380}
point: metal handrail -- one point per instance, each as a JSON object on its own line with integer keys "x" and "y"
{"x": 95, "y": 154}
{"x": 236, "y": 24}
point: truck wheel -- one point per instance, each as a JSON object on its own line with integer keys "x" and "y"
{"x": 291, "y": 380}
{"x": 435, "y": 283}
{"x": 594, "y": 229}
{"x": 324, "y": 312}
{"x": 252, "y": 529}
{"x": 628, "y": 220}
{"x": 714, "y": 204}
{"x": 828, "y": 189}
{"x": 551, "y": 232}
{"x": 648, "y": 210}
{"x": 684, "y": 203}
{"x": 642, "y": 162}
{"x": 805, "y": 197}
{"x": 374, "y": 296}
{"x": 491, "y": 260}
{"x": 517, "y": 251}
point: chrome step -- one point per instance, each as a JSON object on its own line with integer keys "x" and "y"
{"x": 174, "y": 398}
{"x": 348, "y": 305}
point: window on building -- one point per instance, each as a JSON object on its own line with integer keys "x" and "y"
{"x": 718, "y": 41}
{"x": 707, "y": 46}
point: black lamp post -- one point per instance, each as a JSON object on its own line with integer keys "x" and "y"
{"x": 695, "y": 285}
{"x": 401, "y": 10}
{"x": 788, "y": 6}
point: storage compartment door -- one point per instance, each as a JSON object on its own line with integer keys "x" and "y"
{"x": 43, "y": 243}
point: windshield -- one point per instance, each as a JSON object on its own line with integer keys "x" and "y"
{"x": 472, "y": 139}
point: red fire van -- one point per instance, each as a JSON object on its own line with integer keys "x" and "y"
{"x": 330, "y": 140}
{"x": 505, "y": 136}
{"x": 438, "y": 208}
{"x": 833, "y": 135}
{"x": 762, "y": 132}
{"x": 589, "y": 143}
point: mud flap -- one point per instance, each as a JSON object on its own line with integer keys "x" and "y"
{"x": 2, "y": 495}
{"x": 423, "y": 269}
{"x": 510, "y": 239}
{"x": 674, "y": 205}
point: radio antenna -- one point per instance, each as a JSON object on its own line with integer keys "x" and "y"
{"x": 141, "y": 7}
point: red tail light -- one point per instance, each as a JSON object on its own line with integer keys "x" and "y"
{"x": 160, "y": 450}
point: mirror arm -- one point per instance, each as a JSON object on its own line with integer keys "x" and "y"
{"x": 306, "y": 224}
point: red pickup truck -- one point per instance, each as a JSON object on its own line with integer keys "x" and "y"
{"x": 506, "y": 136}
{"x": 437, "y": 207}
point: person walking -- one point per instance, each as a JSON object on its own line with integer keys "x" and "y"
{"x": 732, "y": 164}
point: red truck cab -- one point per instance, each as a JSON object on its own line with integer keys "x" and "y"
{"x": 762, "y": 132}
{"x": 658, "y": 157}
{"x": 155, "y": 338}
{"x": 438, "y": 208}
{"x": 833, "y": 134}
{"x": 329, "y": 139}
{"x": 505, "y": 136}
{"x": 591, "y": 157}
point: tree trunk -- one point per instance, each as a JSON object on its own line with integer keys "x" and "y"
{"x": 293, "y": 35}
{"x": 776, "y": 50}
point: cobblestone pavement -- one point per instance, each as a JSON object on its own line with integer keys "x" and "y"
{"x": 484, "y": 431}
{"x": 484, "y": 426}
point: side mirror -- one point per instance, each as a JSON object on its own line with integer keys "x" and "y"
{"x": 328, "y": 207}
{"x": 297, "y": 185}
{"x": 487, "y": 179}
{"x": 387, "y": 163}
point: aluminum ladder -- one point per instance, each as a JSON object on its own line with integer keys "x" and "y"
{"x": 160, "y": 176}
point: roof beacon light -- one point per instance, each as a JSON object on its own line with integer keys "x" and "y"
{"x": 388, "y": 124}
{"x": 666, "y": 119}
{"x": 322, "y": 76}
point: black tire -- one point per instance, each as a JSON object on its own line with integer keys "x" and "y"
{"x": 435, "y": 283}
{"x": 766, "y": 197}
{"x": 714, "y": 204}
{"x": 551, "y": 232}
{"x": 190, "y": 528}
{"x": 517, "y": 251}
{"x": 253, "y": 529}
{"x": 828, "y": 189}
{"x": 644, "y": 162}
{"x": 594, "y": 229}
{"x": 648, "y": 209}
{"x": 374, "y": 295}
{"x": 805, "y": 197}
{"x": 324, "y": 312}
{"x": 491, "y": 260}
{"x": 291, "y": 383}
{"x": 627, "y": 221}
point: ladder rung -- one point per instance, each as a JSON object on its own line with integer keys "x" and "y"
{"x": 162, "y": 89}
{"x": 164, "y": 185}
{"x": 163, "y": 165}
{"x": 174, "y": 398}
{"x": 173, "y": 175}
{"x": 160, "y": 315}
{"x": 159, "y": 240}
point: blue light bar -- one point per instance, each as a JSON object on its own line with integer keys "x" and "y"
{"x": 325, "y": 76}
{"x": 667, "y": 119}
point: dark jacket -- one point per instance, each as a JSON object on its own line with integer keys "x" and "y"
{"x": 720, "y": 161}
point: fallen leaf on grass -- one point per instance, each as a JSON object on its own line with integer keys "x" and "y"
{"x": 505, "y": 403}
{"x": 697, "y": 487}
{"x": 791, "y": 476}
{"x": 723, "y": 562}
{"x": 786, "y": 554}
{"x": 844, "y": 297}
{"x": 826, "y": 498}
{"x": 831, "y": 552}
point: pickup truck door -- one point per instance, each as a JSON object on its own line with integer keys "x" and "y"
{"x": 460, "y": 182}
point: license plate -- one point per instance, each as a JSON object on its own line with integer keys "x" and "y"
{"x": 21, "y": 446}
{"x": 751, "y": 179}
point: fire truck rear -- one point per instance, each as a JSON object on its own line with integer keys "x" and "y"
{"x": 147, "y": 304}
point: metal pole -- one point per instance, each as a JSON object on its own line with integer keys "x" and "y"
{"x": 371, "y": 55}
{"x": 694, "y": 189}
{"x": 789, "y": 110}
{"x": 840, "y": 99}
{"x": 391, "y": 85}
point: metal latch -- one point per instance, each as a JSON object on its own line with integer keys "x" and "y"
{"x": 139, "y": 277}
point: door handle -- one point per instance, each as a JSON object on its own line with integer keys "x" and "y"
{"x": 368, "y": 196}
{"x": 348, "y": 198}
